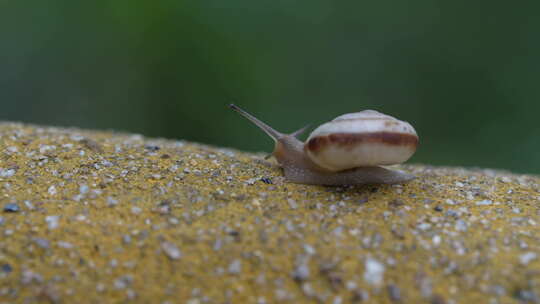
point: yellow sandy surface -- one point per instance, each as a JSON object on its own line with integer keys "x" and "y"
{"x": 101, "y": 217}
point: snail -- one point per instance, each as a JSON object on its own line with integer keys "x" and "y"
{"x": 348, "y": 150}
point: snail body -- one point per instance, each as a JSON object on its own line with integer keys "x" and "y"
{"x": 345, "y": 151}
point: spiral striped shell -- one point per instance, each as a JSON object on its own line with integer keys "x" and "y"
{"x": 363, "y": 139}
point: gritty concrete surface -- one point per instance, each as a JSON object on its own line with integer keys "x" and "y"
{"x": 100, "y": 217}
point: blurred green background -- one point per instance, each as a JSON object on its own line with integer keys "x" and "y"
{"x": 464, "y": 73}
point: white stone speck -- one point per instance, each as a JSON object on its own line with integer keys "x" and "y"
{"x": 46, "y": 148}
{"x": 338, "y": 231}
{"x": 29, "y": 205}
{"x": 309, "y": 249}
{"x": 505, "y": 179}
{"x": 307, "y": 289}
{"x": 122, "y": 282}
{"x": 374, "y": 271}
{"x": 52, "y": 221}
{"x": 424, "y": 226}
{"x": 301, "y": 272}
{"x": 111, "y": 202}
{"x": 436, "y": 240}
{"x": 460, "y": 225}
{"x": 100, "y": 287}
{"x": 527, "y": 257}
{"x": 52, "y": 190}
{"x": 65, "y": 245}
{"x": 171, "y": 250}
{"x": 136, "y": 210}
{"x": 484, "y": 203}
{"x": 351, "y": 285}
{"x": 131, "y": 294}
{"x": 84, "y": 189}
{"x": 29, "y": 276}
{"x": 292, "y": 203}
{"x": 250, "y": 181}
{"x": 7, "y": 172}
{"x": 76, "y": 137}
{"x": 235, "y": 267}
{"x": 12, "y": 149}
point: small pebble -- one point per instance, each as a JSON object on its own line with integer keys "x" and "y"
{"x": 52, "y": 190}
{"x": 65, "y": 245}
{"x": 374, "y": 271}
{"x": 424, "y": 226}
{"x": 394, "y": 293}
{"x": 171, "y": 250}
{"x": 12, "y": 149}
{"x": 396, "y": 203}
{"x": 29, "y": 205}
{"x": 6, "y": 268}
{"x": 362, "y": 200}
{"x": 301, "y": 272}
{"x": 111, "y": 202}
{"x": 461, "y": 225}
{"x": 527, "y": 257}
{"x": 52, "y": 221}
{"x": 136, "y": 210}
{"x": 436, "y": 240}
{"x": 235, "y": 267}
{"x": 11, "y": 208}
{"x": 292, "y": 203}
{"x": 484, "y": 203}
{"x": 126, "y": 239}
{"x": 309, "y": 249}
{"x": 43, "y": 243}
{"x": 123, "y": 282}
{"x": 251, "y": 181}
{"x": 29, "y": 277}
{"x": 7, "y": 172}
{"x": 83, "y": 189}
{"x": 359, "y": 296}
{"x": 452, "y": 213}
{"x": 100, "y": 287}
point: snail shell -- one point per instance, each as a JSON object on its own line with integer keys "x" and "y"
{"x": 362, "y": 139}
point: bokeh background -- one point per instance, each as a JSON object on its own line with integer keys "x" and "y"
{"x": 465, "y": 73}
